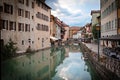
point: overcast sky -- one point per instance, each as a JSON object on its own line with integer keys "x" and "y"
{"x": 73, "y": 12}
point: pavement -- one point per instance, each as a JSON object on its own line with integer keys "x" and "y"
{"x": 94, "y": 47}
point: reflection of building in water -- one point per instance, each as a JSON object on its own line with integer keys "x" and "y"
{"x": 56, "y": 59}
{"x": 67, "y": 52}
{"x": 29, "y": 67}
{"x": 74, "y": 48}
{"x": 38, "y": 66}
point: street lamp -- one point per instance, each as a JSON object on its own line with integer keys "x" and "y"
{"x": 98, "y": 32}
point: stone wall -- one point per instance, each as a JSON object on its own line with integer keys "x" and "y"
{"x": 107, "y": 67}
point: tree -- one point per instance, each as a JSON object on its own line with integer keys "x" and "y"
{"x": 94, "y": 31}
{"x": 9, "y": 50}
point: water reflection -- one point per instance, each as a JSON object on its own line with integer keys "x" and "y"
{"x": 54, "y": 63}
{"x": 73, "y": 68}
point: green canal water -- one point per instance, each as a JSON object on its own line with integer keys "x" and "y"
{"x": 63, "y": 63}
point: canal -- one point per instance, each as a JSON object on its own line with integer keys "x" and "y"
{"x": 63, "y": 63}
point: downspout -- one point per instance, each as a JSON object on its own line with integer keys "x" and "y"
{"x": 117, "y": 1}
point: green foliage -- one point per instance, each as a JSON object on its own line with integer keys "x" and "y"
{"x": 9, "y": 50}
{"x": 86, "y": 35}
{"x": 94, "y": 31}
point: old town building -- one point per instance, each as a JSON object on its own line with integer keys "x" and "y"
{"x": 42, "y": 25}
{"x": 52, "y": 26}
{"x": 94, "y": 22}
{"x": 94, "y": 14}
{"x": 73, "y": 30}
{"x": 25, "y": 22}
{"x": 58, "y": 32}
{"x": 66, "y": 34}
{"x": 110, "y": 22}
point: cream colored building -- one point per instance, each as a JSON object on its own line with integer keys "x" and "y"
{"x": 108, "y": 18}
{"x": 25, "y": 22}
{"x": 52, "y": 26}
{"x": 42, "y": 26}
{"x": 110, "y": 21}
{"x": 95, "y": 14}
{"x": 66, "y": 36}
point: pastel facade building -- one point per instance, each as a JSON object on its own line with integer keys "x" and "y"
{"x": 110, "y": 21}
{"x": 95, "y": 14}
{"x": 52, "y": 26}
{"x": 73, "y": 30}
{"x": 66, "y": 36}
{"x": 42, "y": 25}
{"x": 19, "y": 22}
{"x": 57, "y": 30}
{"x": 88, "y": 28}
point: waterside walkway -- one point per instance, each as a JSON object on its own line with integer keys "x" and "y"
{"x": 106, "y": 65}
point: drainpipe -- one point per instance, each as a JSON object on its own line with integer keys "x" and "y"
{"x": 117, "y": 5}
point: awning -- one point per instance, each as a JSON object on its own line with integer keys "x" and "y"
{"x": 111, "y": 38}
{"x": 53, "y": 38}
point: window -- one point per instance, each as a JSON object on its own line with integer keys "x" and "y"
{"x": 109, "y": 27}
{"x": 38, "y": 26}
{"x": 22, "y": 42}
{"x": 1, "y": 24}
{"x": 32, "y": 17}
{"x": 47, "y": 28}
{"x": 114, "y": 5}
{"x": 1, "y": 8}
{"x": 115, "y": 23}
{"x": 112, "y": 24}
{"x": 20, "y": 26}
{"x": 119, "y": 22}
{"x": 4, "y": 24}
{"x": 20, "y": 12}
{"x": 27, "y": 27}
{"x": 21, "y": 1}
{"x": 12, "y": 25}
{"x": 119, "y": 4}
{"x": 27, "y": 14}
{"x": 27, "y": 2}
{"x": 32, "y": 4}
{"x": 42, "y": 42}
{"x": 42, "y": 27}
{"x": 38, "y": 15}
{"x": 8, "y": 8}
{"x": 44, "y": 7}
{"x": 42, "y": 16}
{"x": 32, "y": 29}
{"x": 29, "y": 40}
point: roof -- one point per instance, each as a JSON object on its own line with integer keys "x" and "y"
{"x": 95, "y": 11}
{"x": 75, "y": 28}
{"x": 111, "y": 38}
{"x": 43, "y": 2}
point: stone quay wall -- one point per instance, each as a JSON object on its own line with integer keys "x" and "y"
{"x": 107, "y": 68}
